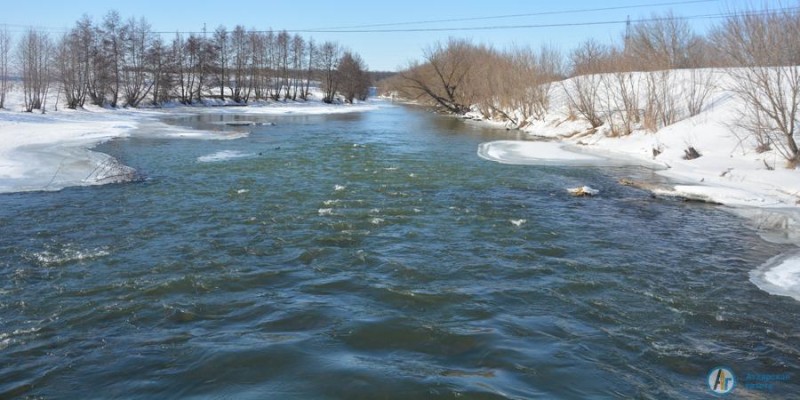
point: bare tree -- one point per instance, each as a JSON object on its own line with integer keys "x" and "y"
{"x": 661, "y": 107}
{"x": 112, "y": 52}
{"x": 353, "y": 76}
{"x": 442, "y": 78}
{"x": 137, "y": 76}
{"x": 71, "y": 71}
{"x": 160, "y": 64}
{"x": 222, "y": 51}
{"x": 702, "y": 84}
{"x": 622, "y": 95}
{"x": 183, "y": 56}
{"x": 5, "y": 62}
{"x": 309, "y": 73}
{"x": 661, "y": 42}
{"x": 298, "y": 47}
{"x": 92, "y": 58}
{"x": 588, "y": 61}
{"x": 34, "y": 52}
{"x": 258, "y": 65}
{"x": 240, "y": 82}
{"x": 282, "y": 56}
{"x": 764, "y": 46}
{"x": 327, "y": 65}
{"x": 272, "y": 70}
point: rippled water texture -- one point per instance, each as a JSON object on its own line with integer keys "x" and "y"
{"x": 376, "y": 255}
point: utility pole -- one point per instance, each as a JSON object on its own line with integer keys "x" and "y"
{"x": 627, "y": 31}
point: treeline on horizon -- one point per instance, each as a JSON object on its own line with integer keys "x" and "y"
{"x": 633, "y": 83}
{"x": 117, "y": 63}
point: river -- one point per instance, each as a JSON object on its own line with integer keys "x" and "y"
{"x": 375, "y": 255}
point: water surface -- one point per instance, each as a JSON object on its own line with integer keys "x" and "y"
{"x": 375, "y": 255}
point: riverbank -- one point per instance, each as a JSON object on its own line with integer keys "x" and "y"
{"x": 52, "y": 151}
{"x": 729, "y": 171}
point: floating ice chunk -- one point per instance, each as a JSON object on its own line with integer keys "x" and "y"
{"x": 522, "y": 152}
{"x": 583, "y": 191}
{"x": 780, "y": 275}
{"x": 339, "y": 188}
{"x": 518, "y": 222}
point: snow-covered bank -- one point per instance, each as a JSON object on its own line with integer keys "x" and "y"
{"x": 729, "y": 170}
{"x": 52, "y": 151}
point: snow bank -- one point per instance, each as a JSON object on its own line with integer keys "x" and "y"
{"x": 50, "y": 152}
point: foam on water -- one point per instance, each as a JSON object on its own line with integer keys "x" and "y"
{"x": 223, "y": 155}
{"x": 780, "y": 275}
{"x": 67, "y": 254}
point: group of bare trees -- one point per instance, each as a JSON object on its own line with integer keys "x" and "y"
{"x": 124, "y": 63}
{"x": 764, "y": 49}
{"x": 460, "y": 76}
{"x": 634, "y": 84}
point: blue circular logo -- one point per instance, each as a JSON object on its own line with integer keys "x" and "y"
{"x": 721, "y": 380}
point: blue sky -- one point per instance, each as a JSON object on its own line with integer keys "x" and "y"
{"x": 381, "y": 50}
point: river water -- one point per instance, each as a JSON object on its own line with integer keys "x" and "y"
{"x": 375, "y": 255}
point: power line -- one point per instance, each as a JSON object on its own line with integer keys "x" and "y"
{"x": 552, "y": 25}
{"x": 525, "y": 26}
{"x": 542, "y": 13}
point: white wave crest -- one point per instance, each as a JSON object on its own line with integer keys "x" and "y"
{"x": 67, "y": 254}
{"x": 223, "y": 156}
